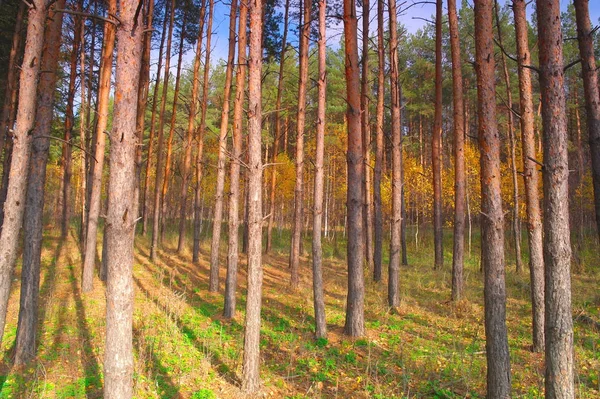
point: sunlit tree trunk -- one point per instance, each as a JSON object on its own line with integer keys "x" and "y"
{"x": 516, "y": 223}
{"x": 161, "y": 130}
{"x": 559, "y": 380}
{"x": 213, "y": 284}
{"x": 25, "y": 346}
{"x": 198, "y": 196}
{"x": 143, "y": 88}
{"x": 10, "y": 95}
{"x": 530, "y": 176}
{"x": 234, "y": 175}
{"x": 277, "y": 127}
{"x": 67, "y": 150}
{"x": 9, "y": 107}
{"x": 168, "y": 161}
{"x": 458, "y": 252}
{"x": 103, "y": 110}
{"x": 121, "y": 217}
{"x": 191, "y": 127}
{"x": 300, "y": 122}
{"x": 492, "y": 217}
{"x": 251, "y": 359}
{"x": 379, "y": 146}
{"x": 19, "y": 168}
{"x": 355, "y": 321}
{"x": 366, "y": 133}
{"x": 317, "y": 251}
{"x": 592, "y": 96}
{"x": 146, "y": 193}
{"x": 394, "y": 266}
{"x": 436, "y": 144}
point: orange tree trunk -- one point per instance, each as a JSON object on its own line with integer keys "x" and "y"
{"x": 492, "y": 217}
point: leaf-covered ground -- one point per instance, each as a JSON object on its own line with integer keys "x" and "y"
{"x": 184, "y": 349}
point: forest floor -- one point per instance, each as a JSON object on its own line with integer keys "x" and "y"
{"x": 432, "y": 348}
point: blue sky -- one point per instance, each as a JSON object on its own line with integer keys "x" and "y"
{"x": 410, "y": 19}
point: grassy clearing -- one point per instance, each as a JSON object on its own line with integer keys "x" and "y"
{"x": 185, "y": 349}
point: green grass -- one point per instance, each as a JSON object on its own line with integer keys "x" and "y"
{"x": 431, "y": 348}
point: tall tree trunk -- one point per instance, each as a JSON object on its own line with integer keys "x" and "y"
{"x": 317, "y": 250}
{"x": 199, "y": 199}
{"x": 187, "y": 161}
{"x": 146, "y": 193}
{"x": 10, "y": 96}
{"x": 121, "y": 218}
{"x": 592, "y": 97}
{"x": 277, "y": 126}
{"x": 436, "y": 144}
{"x": 355, "y": 319}
{"x": 140, "y": 118}
{"x": 103, "y": 110}
{"x": 161, "y": 131}
{"x": 251, "y": 361}
{"x": 19, "y": 168}
{"x": 25, "y": 347}
{"x": 557, "y": 245}
{"x": 492, "y": 220}
{"x": 67, "y": 149}
{"x": 394, "y": 266}
{"x": 213, "y": 284}
{"x": 516, "y": 223}
{"x": 234, "y": 173}
{"x": 530, "y": 176}
{"x": 300, "y": 122}
{"x": 167, "y": 174}
{"x": 379, "y": 145}
{"x": 9, "y": 107}
{"x": 366, "y": 133}
{"x": 458, "y": 252}
{"x": 83, "y": 110}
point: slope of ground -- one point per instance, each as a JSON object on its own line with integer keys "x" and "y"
{"x": 184, "y": 349}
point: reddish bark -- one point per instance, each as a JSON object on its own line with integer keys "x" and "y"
{"x": 251, "y": 360}
{"x": 492, "y": 219}
{"x": 355, "y": 322}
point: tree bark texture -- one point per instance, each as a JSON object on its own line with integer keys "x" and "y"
{"x": 492, "y": 217}
{"x": 150, "y": 151}
{"x": 234, "y": 172}
{"x": 516, "y": 223}
{"x": 103, "y": 109}
{"x": 395, "y": 244}
{"x": 67, "y": 149}
{"x": 355, "y": 322}
{"x": 379, "y": 146}
{"x": 589, "y": 74}
{"x": 530, "y": 176}
{"x": 25, "y": 347}
{"x": 10, "y": 95}
{"x": 277, "y": 127}
{"x": 557, "y": 244}
{"x": 300, "y": 123}
{"x": 161, "y": 132}
{"x": 251, "y": 360}
{"x": 366, "y": 132}
{"x": 317, "y": 250}
{"x": 198, "y": 197}
{"x": 22, "y": 138}
{"x": 213, "y": 284}
{"x": 436, "y": 144}
{"x": 167, "y": 174}
{"x": 460, "y": 182}
{"x": 121, "y": 218}
{"x": 191, "y": 127}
